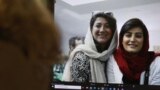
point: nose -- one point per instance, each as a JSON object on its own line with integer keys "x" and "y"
{"x": 132, "y": 38}
{"x": 102, "y": 29}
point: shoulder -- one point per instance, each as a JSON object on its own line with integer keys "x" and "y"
{"x": 154, "y": 78}
{"x": 80, "y": 55}
{"x": 156, "y": 62}
{"x": 112, "y": 59}
{"x": 155, "y": 66}
{"x": 157, "y": 59}
{"x": 80, "y": 58}
{"x": 112, "y": 64}
{"x": 113, "y": 72}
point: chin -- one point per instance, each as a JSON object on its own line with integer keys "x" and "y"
{"x": 132, "y": 52}
{"x": 103, "y": 41}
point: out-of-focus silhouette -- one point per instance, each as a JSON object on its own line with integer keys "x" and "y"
{"x": 29, "y": 45}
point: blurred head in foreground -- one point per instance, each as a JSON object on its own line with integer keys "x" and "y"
{"x": 29, "y": 45}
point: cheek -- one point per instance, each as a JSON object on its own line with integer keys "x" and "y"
{"x": 141, "y": 43}
{"x": 109, "y": 30}
{"x": 124, "y": 45}
{"x": 110, "y": 33}
{"x": 124, "y": 41}
{"x": 94, "y": 32}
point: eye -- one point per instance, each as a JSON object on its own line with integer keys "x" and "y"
{"x": 107, "y": 26}
{"x": 128, "y": 35}
{"x": 139, "y": 35}
{"x": 98, "y": 25}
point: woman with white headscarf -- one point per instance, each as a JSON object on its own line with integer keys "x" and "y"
{"x": 87, "y": 62}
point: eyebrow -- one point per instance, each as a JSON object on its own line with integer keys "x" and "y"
{"x": 101, "y": 23}
{"x": 135, "y": 33}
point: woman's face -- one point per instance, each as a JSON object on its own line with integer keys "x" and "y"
{"x": 101, "y": 31}
{"x": 133, "y": 40}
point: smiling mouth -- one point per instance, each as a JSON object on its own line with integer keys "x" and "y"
{"x": 132, "y": 45}
{"x": 103, "y": 35}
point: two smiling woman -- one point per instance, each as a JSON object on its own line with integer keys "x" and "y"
{"x": 98, "y": 61}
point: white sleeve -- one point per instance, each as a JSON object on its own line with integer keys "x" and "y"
{"x": 142, "y": 78}
{"x": 154, "y": 78}
{"x": 113, "y": 72}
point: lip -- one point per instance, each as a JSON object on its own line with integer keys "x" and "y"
{"x": 101, "y": 34}
{"x": 102, "y": 37}
{"x": 132, "y": 45}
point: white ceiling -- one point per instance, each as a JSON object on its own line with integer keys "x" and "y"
{"x": 80, "y": 2}
{"x": 74, "y": 20}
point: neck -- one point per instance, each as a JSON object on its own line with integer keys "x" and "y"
{"x": 132, "y": 55}
{"x": 101, "y": 48}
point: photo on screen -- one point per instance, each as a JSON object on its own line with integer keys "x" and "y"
{"x": 73, "y": 20}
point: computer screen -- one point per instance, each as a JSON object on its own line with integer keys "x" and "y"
{"x": 74, "y": 21}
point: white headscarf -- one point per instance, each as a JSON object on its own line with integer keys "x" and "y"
{"x": 89, "y": 48}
